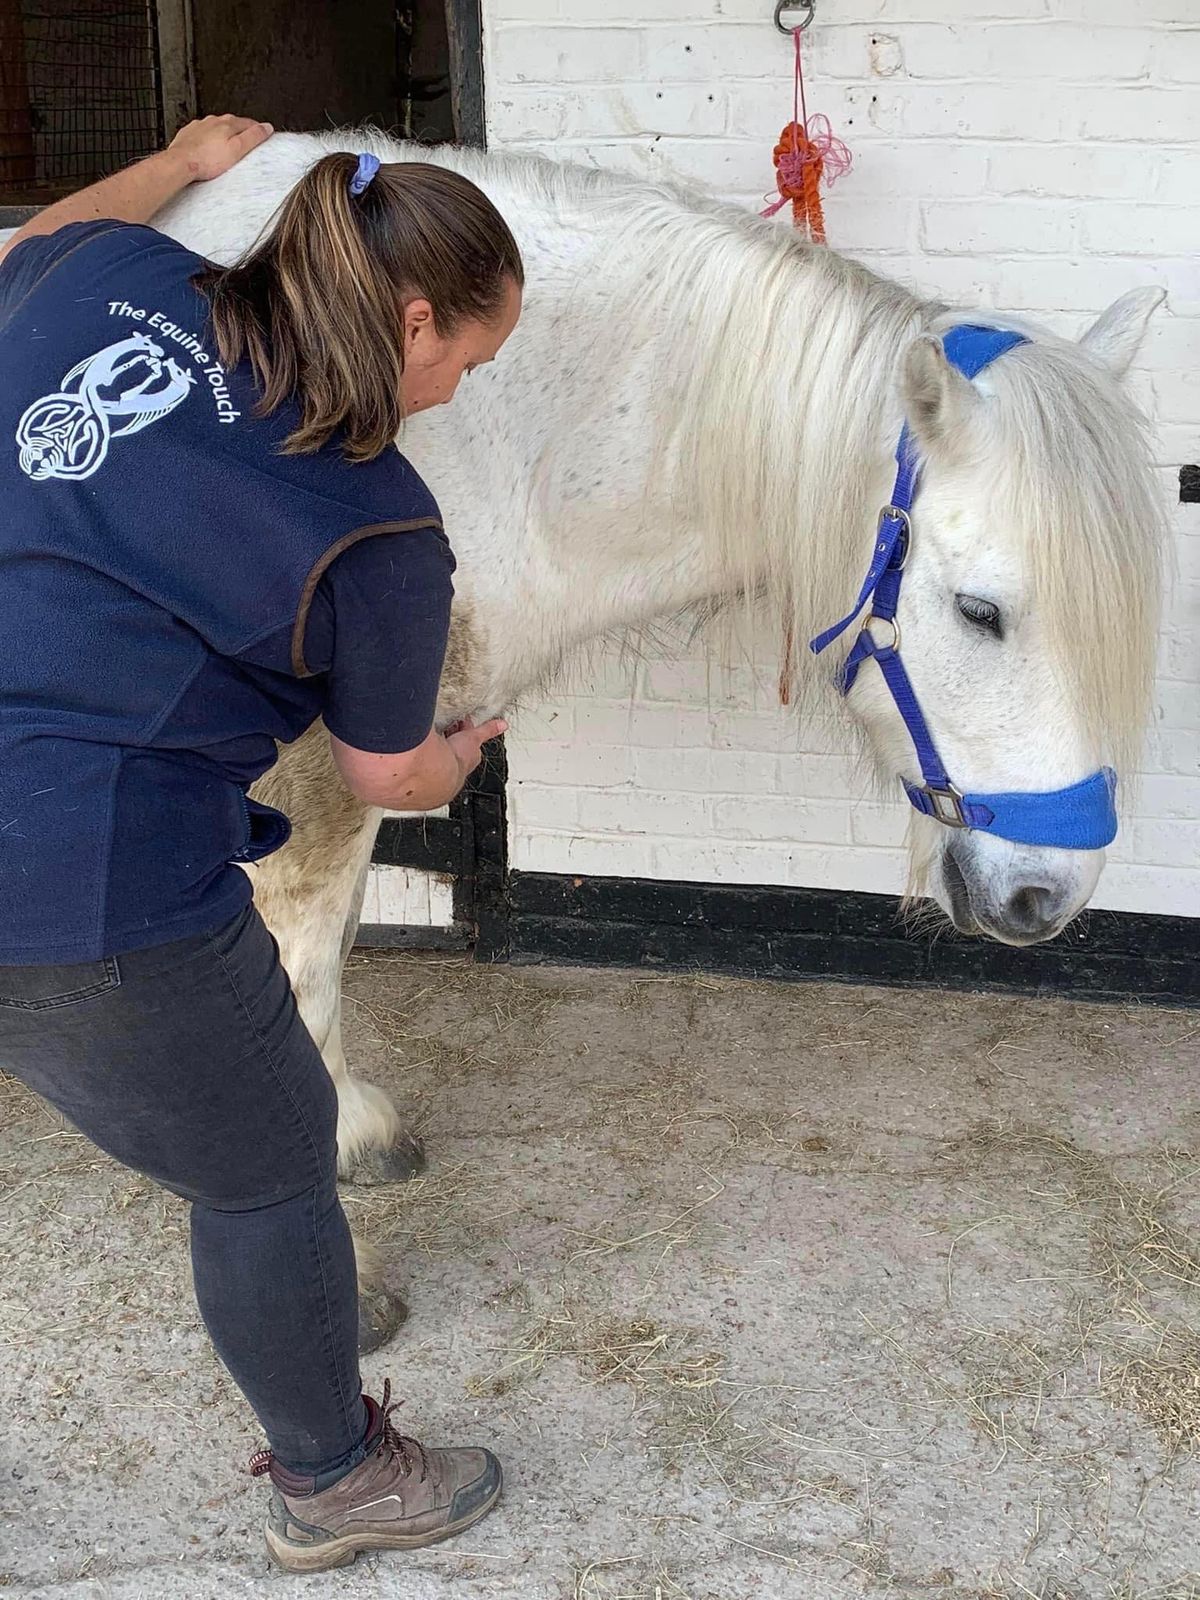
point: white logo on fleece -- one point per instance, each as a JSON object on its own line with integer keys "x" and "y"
{"x": 120, "y": 390}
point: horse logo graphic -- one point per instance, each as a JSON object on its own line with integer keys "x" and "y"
{"x": 120, "y": 390}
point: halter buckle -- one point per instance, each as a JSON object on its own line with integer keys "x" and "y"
{"x": 905, "y": 540}
{"x": 946, "y": 805}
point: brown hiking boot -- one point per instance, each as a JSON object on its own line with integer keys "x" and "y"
{"x": 400, "y": 1497}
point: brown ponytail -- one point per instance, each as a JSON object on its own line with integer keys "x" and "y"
{"x": 317, "y": 306}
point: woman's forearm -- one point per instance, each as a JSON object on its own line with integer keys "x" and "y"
{"x": 133, "y": 195}
{"x": 198, "y": 152}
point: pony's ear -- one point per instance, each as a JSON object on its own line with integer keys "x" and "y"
{"x": 1115, "y": 335}
{"x": 938, "y": 400}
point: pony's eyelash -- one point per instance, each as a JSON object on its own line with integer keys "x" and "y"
{"x": 982, "y": 613}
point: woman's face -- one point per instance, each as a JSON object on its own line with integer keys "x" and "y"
{"x": 433, "y": 366}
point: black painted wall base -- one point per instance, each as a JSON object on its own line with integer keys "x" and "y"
{"x": 414, "y": 936}
{"x": 839, "y": 937}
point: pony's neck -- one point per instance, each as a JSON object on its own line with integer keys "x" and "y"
{"x": 710, "y": 411}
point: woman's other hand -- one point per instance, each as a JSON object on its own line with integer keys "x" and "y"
{"x": 467, "y": 741}
{"x": 420, "y": 779}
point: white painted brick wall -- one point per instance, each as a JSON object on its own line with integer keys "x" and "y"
{"x": 1035, "y": 155}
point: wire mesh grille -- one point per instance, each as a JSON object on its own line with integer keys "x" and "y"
{"x": 79, "y": 90}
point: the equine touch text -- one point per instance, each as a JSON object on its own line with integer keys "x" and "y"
{"x": 214, "y": 372}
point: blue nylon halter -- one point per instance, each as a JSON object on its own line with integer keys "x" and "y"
{"x": 1080, "y": 817}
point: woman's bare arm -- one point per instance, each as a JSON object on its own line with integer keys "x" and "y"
{"x": 203, "y": 150}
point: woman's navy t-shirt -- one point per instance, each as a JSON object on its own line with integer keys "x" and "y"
{"x": 176, "y": 595}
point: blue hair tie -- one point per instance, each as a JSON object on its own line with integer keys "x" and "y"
{"x": 368, "y": 166}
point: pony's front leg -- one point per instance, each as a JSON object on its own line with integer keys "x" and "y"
{"x": 310, "y": 895}
{"x": 373, "y": 1146}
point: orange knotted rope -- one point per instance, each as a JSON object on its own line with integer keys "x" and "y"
{"x": 799, "y": 164}
{"x": 808, "y": 154}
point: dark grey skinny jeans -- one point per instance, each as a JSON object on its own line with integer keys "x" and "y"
{"x": 189, "y": 1063}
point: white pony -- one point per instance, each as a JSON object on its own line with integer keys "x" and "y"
{"x": 696, "y": 407}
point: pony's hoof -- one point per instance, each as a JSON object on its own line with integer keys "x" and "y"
{"x": 400, "y": 1161}
{"x": 380, "y": 1314}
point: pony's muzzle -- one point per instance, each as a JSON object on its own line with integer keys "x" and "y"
{"x": 1016, "y": 894}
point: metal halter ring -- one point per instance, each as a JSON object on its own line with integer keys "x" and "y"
{"x": 888, "y": 622}
{"x": 809, "y": 7}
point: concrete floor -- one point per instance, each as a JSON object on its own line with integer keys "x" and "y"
{"x": 758, "y": 1291}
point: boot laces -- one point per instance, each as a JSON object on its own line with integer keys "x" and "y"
{"x": 410, "y": 1453}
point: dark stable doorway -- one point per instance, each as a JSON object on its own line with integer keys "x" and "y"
{"x": 327, "y": 63}
{"x": 85, "y": 89}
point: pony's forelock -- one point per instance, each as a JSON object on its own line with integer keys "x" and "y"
{"x": 1073, "y": 477}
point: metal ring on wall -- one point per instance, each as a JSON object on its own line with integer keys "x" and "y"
{"x": 809, "y": 8}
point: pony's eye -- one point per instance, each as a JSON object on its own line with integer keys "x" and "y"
{"x": 982, "y": 613}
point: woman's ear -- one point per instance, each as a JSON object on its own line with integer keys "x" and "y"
{"x": 419, "y": 324}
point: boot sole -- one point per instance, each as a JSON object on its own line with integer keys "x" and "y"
{"x": 343, "y": 1551}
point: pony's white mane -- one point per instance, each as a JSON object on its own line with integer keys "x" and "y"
{"x": 780, "y": 409}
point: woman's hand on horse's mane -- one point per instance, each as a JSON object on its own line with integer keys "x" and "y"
{"x": 211, "y": 145}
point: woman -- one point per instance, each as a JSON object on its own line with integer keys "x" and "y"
{"x": 208, "y": 541}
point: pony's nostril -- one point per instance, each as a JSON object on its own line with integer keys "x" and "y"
{"x": 1032, "y": 910}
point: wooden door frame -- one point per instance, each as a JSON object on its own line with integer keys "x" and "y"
{"x": 464, "y": 33}
{"x": 470, "y": 848}
{"x": 176, "y": 64}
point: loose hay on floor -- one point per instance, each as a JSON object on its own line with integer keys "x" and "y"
{"x": 759, "y": 1291}
{"x": 440, "y": 1214}
{"x": 1137, "y": 1314}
